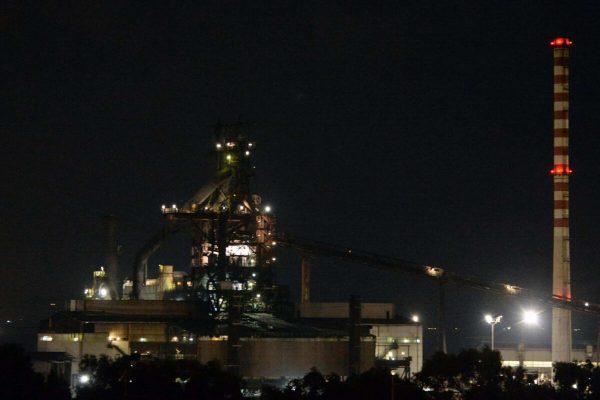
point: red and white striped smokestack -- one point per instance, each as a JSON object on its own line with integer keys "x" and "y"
{"x": 561, "y": 263}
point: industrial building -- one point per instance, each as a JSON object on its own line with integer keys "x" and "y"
{"x": 225, "y": 305}
{"x": 538, "y": 361}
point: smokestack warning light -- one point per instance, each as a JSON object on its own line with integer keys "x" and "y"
{"x": 561, "y": 42}
{"x": 561, "y": 170}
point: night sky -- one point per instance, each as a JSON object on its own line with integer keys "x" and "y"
{"x": 421, "y": 130}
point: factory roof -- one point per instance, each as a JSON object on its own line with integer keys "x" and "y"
{"x": 251, "y": 324}
{"x": 49, "y": 356}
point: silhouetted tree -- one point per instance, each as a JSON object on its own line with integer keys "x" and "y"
{"x": 19, "y": 381}
{"x": 130, "y": 378}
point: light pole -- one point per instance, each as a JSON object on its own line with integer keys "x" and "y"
{"x": 530, "y": 317}
{"x": 492, "y": 321}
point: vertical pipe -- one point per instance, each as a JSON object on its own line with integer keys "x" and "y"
{"x": 598, "y": 344}
{"x": 442, "y": 345}
{"x": 111, "y": 258}
{"x": 561, "y": 263}
{"x": 354, "y": 335}
{"x": 233, "y": 334}
{"x": 305, "y": 280}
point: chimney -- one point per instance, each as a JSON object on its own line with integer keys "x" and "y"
{"x": 111, "y": 258}
{"x": 561, "y": 262}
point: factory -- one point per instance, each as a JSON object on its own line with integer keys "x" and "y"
{"x": 225, "y": 305}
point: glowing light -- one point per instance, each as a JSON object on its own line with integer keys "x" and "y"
{"x": 273, "y": 258}
{"x": 415, "y": 318}
{"x": 561, "y": 42}
{"x": 174, "y": 339}
{"x": 530, "y": 317}
{"x": 46, "y": 338}
{"x": 258, "y": 295}
{"x": 586, "y": 304}
{"x": 174, "y": 206}
{"x": 83, "y": 379}
{"x": 143, "y": 339}
{"x": 238, "y": 250}
{"x": 163, "y": 207}
{"x": 434, "y": 271}
{"x": 247, "y": 152}
{"x": 492, "y": 320}
{"x": 103, "y": 292}
{"x": 254, "y": 274}
{"x": 512, "y": 289}
{"x": 241, "y": 207}
{"x": 249, "y": 144}
{"x": 561, "y": 169}
{"x": 268, "y": 209}
{"x": 228, "y": 157}
{"x": 219, "y": 145}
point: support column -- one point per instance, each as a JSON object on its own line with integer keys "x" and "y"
{"x": 305, "y": 280}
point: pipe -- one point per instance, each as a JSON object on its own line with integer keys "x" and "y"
{"x": 354, "y": 313}
{"x": 111, "y": 257}
{"x": 305, "y": 280}
{"x": 140, "y": 264}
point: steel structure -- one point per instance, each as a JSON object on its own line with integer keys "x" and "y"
{"x": 386, "y": 263}
{"x": 561, "y": 263}
{"x": 232, "y": 233}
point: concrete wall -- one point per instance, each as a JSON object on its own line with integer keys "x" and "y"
{"x": 151, "y": 332}
{"x": 77, "y": 345}
{"x": 288, "y": 357}
{"x": 538, "y": 359}
{"x": 135, "y": 307}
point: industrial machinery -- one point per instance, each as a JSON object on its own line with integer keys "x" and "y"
{"x": 232, "y": 231}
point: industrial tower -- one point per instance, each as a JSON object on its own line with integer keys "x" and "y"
{"x": 561, "y": 263}
{"x": 233, "y": 234}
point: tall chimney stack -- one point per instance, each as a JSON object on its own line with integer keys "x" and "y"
{"x": 561, "y": 263}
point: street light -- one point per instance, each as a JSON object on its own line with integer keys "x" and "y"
{"x": 529, "y": 317}
{"x": 492, "y": 321}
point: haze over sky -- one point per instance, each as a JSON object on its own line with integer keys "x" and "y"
{"x": 418, "y": 129}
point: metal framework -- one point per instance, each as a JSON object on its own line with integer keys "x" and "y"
{"x": 378, "y": 261}
{"x": 232, "y": 233}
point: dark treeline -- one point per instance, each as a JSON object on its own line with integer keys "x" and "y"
{"x": 471, "y": 374}
{"x": 18, "y": 381}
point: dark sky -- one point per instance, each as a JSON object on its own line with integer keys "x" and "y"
{"x": 418, "y": 129}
